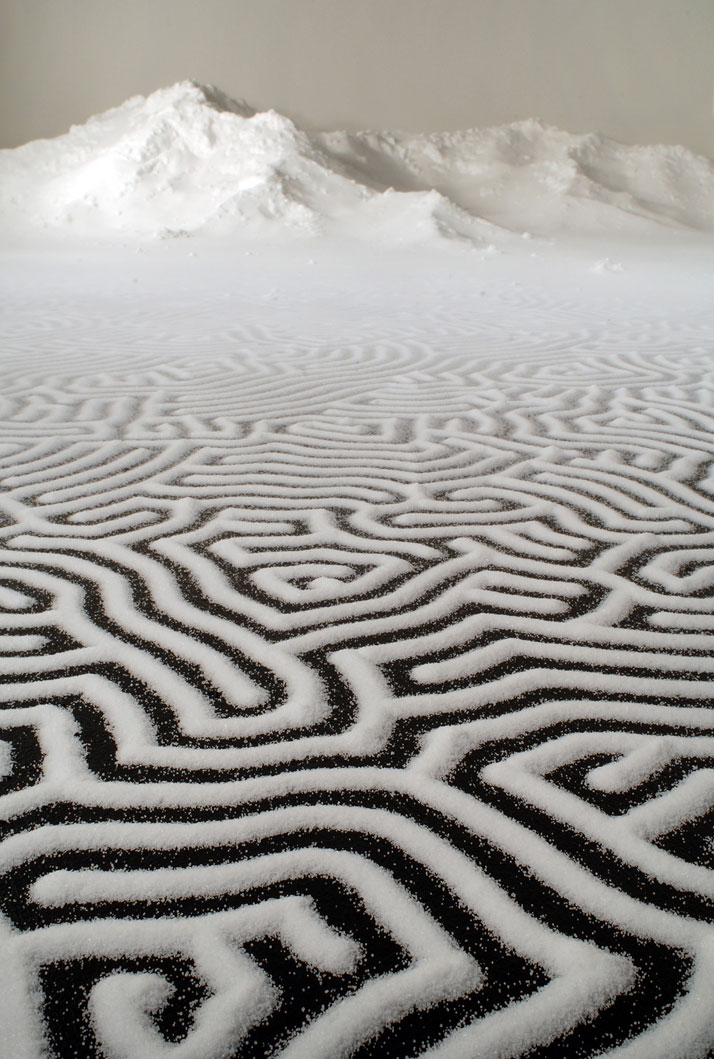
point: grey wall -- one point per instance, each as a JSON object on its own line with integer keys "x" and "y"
{"x": 640, "y": 70}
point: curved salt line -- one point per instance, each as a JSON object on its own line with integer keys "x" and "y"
{"x": 463, "y": 877}
{"x": 562, "y": 957}
{"x": 522, "y": 776}
{"x": 530, "y": 392}
{"x": 192, "y": 709}
{"x": 438, "y": 969}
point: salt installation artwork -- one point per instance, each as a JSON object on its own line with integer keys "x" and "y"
{"x": 356, "y": 592}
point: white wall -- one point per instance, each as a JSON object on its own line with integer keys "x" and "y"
{"x": 640, "y": 70}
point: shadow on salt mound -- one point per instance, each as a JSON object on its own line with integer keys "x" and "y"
{"x": 402, "y": 218}
{"x": 188, "y": 159}
{"x": 529, "y": 175}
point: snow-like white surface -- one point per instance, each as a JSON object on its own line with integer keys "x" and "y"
{"x": 187, "y": 159}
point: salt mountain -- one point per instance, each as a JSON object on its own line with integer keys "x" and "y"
{"x": 188, "y": 159}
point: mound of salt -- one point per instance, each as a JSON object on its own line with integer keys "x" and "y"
{"x": 529, "y": 175}
{"x": 189, "y": 159}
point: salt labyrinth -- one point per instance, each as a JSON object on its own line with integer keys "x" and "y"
{"x": 357, "y": 627}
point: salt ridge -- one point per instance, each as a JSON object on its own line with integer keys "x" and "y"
{"x": 336, "y": 637}
{"x": 188, "y": 159}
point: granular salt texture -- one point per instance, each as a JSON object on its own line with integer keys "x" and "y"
{"x": 356, "y": 627}
{"x": 187, "y": 159}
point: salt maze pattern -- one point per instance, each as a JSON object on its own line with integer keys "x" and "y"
{"x": 358, "y": 700}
